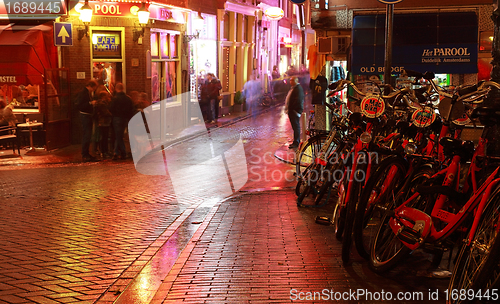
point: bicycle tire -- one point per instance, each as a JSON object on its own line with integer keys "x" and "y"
{"x": 477, "y": 265}
{"x": 339, "y": 213}
{"x": 351, "y": 205}
{"x": 301, "y": 184}
{"x": 387, "y": 250}
{"x": 371, "y": 206}
{"x": 308, "y": 153}
{"x": 333, "y": 168}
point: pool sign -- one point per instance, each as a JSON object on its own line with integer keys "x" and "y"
{"x": 372, "y": 106}
{"x": 389, "y": 1}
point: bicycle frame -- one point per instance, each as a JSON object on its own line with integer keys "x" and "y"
{"x": 416, "y": 220}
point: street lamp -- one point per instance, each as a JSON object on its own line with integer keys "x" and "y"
{"x": 197, "y": 22}
{"x": 143, "y": 16}
{"x": 85, "y": 17}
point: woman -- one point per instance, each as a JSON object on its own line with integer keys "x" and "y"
{"x": 7, "y": 117}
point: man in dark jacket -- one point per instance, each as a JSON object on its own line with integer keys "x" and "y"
{"x": 294, "y": 106}
{"x": 85, "y": 105}
{"x": 122, "y": 108}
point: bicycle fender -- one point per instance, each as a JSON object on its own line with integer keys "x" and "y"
{"x": 411, "y": 226}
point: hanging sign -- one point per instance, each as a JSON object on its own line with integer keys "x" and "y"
{"x": 372, "y": 106}
{"x": 274, "y": 13}
{"x": 389, "y": 1}
{"x": 423, "y": 118}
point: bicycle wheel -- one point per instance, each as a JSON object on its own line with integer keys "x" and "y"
{"x": 386, "y": 249}
{"x": 309, "y": 181}
{"x": 308, "y": 153}
{"x": 339, "y": 213}
{"x": 334, "y": 172}
{"x": 351, "y": 205}
{"x": 382, "y": 185}
{"x": 477, "y": 267}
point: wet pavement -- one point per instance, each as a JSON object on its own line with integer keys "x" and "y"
{"x": 73, "y": 232}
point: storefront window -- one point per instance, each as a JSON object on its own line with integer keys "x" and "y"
{"x": 154, "y": 45}
{"x": 164, "y": 65}
{"x": 170, "y": 79}
{"x": 23, "y": 96}
{"x": 155, "y": 81}
{"x": 173, "y": 45}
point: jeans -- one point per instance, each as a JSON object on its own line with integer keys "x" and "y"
{"x": 214, "y": 105}
{"x": 119, "y": 124}
{"x": 87, "y": 123}
{"x": 295, "y": 122}
{"x": 103, "y": 141}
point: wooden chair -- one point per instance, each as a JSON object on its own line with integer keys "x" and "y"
{"x": 9, "y": 136}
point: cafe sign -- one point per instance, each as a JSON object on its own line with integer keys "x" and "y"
{"x": 106, "y": 44}
{"x": 8, "y": 79}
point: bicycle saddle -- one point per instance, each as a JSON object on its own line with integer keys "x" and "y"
{"x": 451, "y": 146}
{"x": 488, "y": 116}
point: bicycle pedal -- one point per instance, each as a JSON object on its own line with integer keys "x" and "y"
{"x": 323, "y": 220}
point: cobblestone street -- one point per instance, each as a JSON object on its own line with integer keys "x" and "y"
{"x": 103, "y": 233}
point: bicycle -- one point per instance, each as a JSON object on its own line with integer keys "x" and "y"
{"x": 438, "y": 209}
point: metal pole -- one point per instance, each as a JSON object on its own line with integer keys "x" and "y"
{"x": 389, "y": 18}
{"x": 493, "y": 98}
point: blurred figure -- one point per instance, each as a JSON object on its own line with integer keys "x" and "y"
{"x": 122, "y": 109}
{"x": 294, "y": 106}
{"x": 204, "y": 100}
{"x": 85, "y": 105}
{"x": 252, "y": 91}
{"x": 7, "y": 117}
{"x": 214, "y": 87}
{"x": 104, "y": 119}
{"x": 275, "y": 73}
{"x": 134, "y": 95}
{"x": 144, "y": 101}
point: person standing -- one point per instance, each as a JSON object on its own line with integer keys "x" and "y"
{"x": 122, "y": 109}
{"x": 214, "y": 87}
{"x": 205, "y": 100}
{"x": 85, "y": 105}
{"x": 294, "y": 106}
{"x": 104, "y": 119}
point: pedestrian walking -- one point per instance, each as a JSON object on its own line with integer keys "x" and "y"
{"x": 294, "y": 106}
{"x": 214, "y": 87}
{"x": 252, "y": 91}
{"x": 104, "y": 119}
{"x": 122, "y": 109}
{"x": 85, "y": 105}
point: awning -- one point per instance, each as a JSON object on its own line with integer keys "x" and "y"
{"x": 437, "y": 42}
{"x": 25, "y": 54}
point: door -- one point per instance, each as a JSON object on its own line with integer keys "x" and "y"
{"x": 57, "y": 108}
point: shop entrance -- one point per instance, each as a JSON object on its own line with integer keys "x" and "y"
{"x": 56, "y": 108}
{"x": 107, "y": 74}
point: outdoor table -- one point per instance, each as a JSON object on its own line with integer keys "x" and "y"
{"x": 30, "y": 125}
